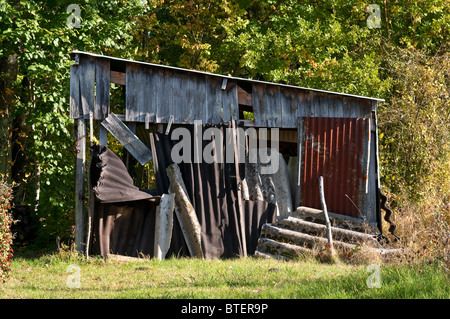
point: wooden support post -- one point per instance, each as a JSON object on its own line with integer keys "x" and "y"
{"x": 236, "y": 139}
{"x": 80, "y": 172}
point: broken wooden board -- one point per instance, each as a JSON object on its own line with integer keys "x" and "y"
{"x": 127, "y": 138}
{"x": 163, "y": 225}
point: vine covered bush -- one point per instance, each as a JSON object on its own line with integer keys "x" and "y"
{"x": 6, "y": 251}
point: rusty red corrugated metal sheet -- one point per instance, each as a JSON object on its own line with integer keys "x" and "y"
{"x": 335, "y": 148}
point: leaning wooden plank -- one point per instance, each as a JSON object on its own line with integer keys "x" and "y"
{"x": 185, "y": 212}
{"x": 128, "y": 139}
{"x": 102, "y": 79}
{"x": 163, "y": 225}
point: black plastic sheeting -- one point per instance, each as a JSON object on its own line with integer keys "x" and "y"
{"x": 124, "y": 215}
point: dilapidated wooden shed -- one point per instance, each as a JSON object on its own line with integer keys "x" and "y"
{"x": 320, "y": 133}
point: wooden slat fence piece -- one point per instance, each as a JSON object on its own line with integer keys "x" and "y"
{"x": 289, "y": 104}
{"x": 102, "y": 82}
{"x": 139, "y": 89}
{"x": 197, "y": 98}
{"x": 87, "y": 86}
{"x": 258, "y": 101}
{"x": 305, "y": 108}
{"x": 75, "y": 100}
{"x": 339, "y": 108}
{"x": 126, "y": 137}
{"x": 266, "y": 105}
{"x": 230, "y": 102}
{"x": 179, "y": 98}
{"x": 213, "y": 100}
{"x": 149, "y": 95}
{"x": 321, "y": 105}
{"x": 165, "y": 96}
{"x": 133, "y": 91}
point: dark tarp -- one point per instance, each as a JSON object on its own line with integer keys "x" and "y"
{"x": 124, "y": 215}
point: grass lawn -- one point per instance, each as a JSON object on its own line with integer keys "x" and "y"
{"x": 67, "y": 276}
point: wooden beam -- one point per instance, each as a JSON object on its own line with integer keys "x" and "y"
{"x": 244, "y": 98}
{"x": 118, "y": 77}
{"x": 128, "y": 139}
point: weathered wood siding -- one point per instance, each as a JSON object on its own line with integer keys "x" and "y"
{"x": 276, "y": 106}
{"x": 155, "y": 93}
{"x": 89, "y": 88}
{"x": 162, "y": 93}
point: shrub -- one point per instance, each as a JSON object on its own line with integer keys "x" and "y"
{"x": 6, "y": 250}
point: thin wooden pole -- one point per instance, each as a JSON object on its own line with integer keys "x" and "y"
{"x": 80, "y": 172}
{"x": 333, "y": 256}
{"x": 236, "y": 139}
{"x": 325, "y": 212}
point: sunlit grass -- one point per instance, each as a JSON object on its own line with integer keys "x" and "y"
{"x": 49, "y": 277}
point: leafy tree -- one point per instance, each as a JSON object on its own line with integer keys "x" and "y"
{"x": 38, "y": 149}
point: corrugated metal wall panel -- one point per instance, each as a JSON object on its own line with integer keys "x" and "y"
{"x": 337, "y": 149}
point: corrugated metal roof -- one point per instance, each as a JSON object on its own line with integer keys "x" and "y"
{"x": 225, "y": 76}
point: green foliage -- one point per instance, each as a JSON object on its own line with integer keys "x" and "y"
{"x": 6, "y": 252}
{"x": 37, "y": 32}
{"x": 415, "y": 145}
